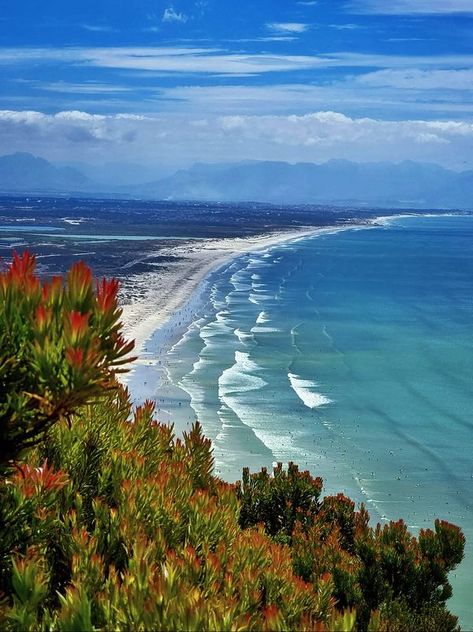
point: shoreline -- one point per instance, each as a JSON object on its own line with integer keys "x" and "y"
{"x": 165, "y": 293}
{"x": 164, "y": 305}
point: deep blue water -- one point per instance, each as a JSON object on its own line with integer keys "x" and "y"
{"x": 351, "y": 354}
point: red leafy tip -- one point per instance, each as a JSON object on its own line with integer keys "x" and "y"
{"x": 107, "y": 291}
{"x": 78, "y": 323}
{"x": 79, "y": 277}
{"x": 42, "y": 316}
{"x": 75, "y": 357}
{"x": 22, "y": 266}
{"x": 21, "y": 272}
{"x": 33, "y": 480}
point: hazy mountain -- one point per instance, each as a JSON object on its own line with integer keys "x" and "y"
{"x": 384, "y": 184}
{"x": 121, "y": 174}
{"x": 459, "y": 195}
{"x": 404, "y": 184}
{"x": 22, "y": 172}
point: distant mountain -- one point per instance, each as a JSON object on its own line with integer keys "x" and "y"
{"x": 406, "y": 184}
{"x": 22, "y": 172}
{"x": 120, "y": 174}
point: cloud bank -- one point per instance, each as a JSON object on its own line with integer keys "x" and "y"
{"x": 315, "y": 137}
{"x": 208, "y": 62}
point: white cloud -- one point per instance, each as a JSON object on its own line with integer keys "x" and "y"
{"x": 73, "y": 128}
{"x": 287, "y": 27}
{"x": 170, "y": 15}
{"x": 355, "y": 96}
{"x": 165, "y": 59}
{"x": 274, "y": 38}
{"x": 412, "y": 78}
{"x": 411, "y": 7}
{"x": 362, "y": 60}
{"x": 25, "y": 117}
{"x": 179, "y": 59}
{"x": 65, "y": 87}
{"x": 345, "y": 27}
{"x": 78, "y": 116}
{"x": 323, "y": 135}
{"x": 317, "y": 136}
{"x": 206, "y": 61}
{"x": 97, "y": 28}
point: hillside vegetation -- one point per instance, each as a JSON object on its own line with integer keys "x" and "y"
{"x": 110, "y": 522}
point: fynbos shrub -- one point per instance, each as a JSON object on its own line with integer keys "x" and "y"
{"x": 60, "y": 345}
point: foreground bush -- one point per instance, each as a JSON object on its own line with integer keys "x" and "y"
{"x": 120, "y": 525}
{"x": 112, "y": 523}
{"x": 60, "y": 345}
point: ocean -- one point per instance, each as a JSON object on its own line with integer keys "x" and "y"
{"x": 350, "y": 353}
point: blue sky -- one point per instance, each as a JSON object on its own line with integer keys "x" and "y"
{"x": 212, "y": 80}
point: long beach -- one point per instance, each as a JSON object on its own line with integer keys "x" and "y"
{"x": 152, "y": 298}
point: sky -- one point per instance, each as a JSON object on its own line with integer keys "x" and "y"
{"x": 169, "y": 84}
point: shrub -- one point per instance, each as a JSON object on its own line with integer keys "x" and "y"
{"x": 60, "y": 345}
{"x": 381, "y": 570}
{"x": 137, "y": 533}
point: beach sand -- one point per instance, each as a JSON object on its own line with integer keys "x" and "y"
{"x": 151, "y": 299}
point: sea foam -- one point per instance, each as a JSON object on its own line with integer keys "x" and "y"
{"x": 240, "y": 377}
{"x": 303, "y": 390}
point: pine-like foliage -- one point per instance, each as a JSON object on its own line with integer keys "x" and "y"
{"x": 113, "y": 523}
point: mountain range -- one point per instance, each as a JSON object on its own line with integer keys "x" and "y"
{"x": 405, "y": 184}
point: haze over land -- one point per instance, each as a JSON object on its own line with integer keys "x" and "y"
{"x": 405, "y": 184}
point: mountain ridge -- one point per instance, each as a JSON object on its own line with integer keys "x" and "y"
{"x": 405, "y": 184}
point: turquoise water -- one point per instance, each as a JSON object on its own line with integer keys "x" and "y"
{"x": 352, "y": 354}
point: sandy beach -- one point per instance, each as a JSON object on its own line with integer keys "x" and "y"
{"x": 149, "y": 300}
